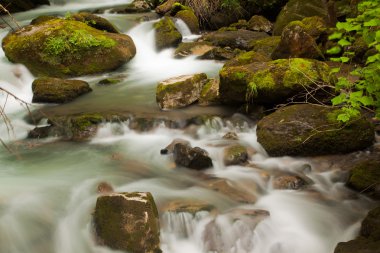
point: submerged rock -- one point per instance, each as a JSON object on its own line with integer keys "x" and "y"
{"x": 188, "y": 206}
{"x": 128, "y": 222}
{"x": 55, "y": 90}
{"x": 62, "y": 48}
{"x": 310, "y": 130}
{"x": 94, "y": 21}
{"x": 193, "y": 158}
{"x": 231, "y": 190}
{"x": 270, "y": 82}
{"x": 167, "y": 34}
{"x": 235, "y": 155}
{"x": 180, "y": 91}
{"x": 289, "y": 182}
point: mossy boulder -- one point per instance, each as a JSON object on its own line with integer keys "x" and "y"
{"x": 210, "y": 93}
{"x": 221, "y": 53}
{"x": 235, "y": 155}
{"x": 311, "y": 130}
{"x": 269, "y": 83}
{"x": 22, "y": 5}
{"x": 167, "y": 34}
{"x": 165, "y": 7}
{"x": 79, "y": 127}
{"x": 42, "y": 19}
{"x": 298, "y": 10}
{"x": 365, "y": 178}
{"x": 368, "y": 240}
{"x": 65, "y": 48}
{"x": 94, "y": 21}
{"x": 296, "y": 42}
{"x": 137, "y": 6}
{"x": 190, "y": 20}
{"x": 246, "y": 58}
{"x": 128, "y": 222}
{"x": 180, "y": 91}
{"x": 55, "y": 90}
{"x": 197, "y": 48}
{"x": 259, "y": 24}
{"x": 234, "y": 39}
{"x": 265, "y": 46}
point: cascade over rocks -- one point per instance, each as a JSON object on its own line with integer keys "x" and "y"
{"x": 55, "y": 90}
{"x": 271, "y": 82}
{"x": 66, "y": 48}
{"x": 128, "y": 222}
{"x": 180, "y": 91}
{"x": 167, "y": 34}
{"x": 311, "y": 130}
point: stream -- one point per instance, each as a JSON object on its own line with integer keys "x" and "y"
{"x": 48, "y": 188}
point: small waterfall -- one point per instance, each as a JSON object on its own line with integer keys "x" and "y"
{"x": 187, "y": 36}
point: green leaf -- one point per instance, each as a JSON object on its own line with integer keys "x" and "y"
{"x": 344, "y": 59}
{"x": 344, "y": 42}
{"x": 340, "y": 99}
{"x": 372, "y": 22}
{"x": 373, "y": 58}
{"x": 334, "y": 50}
{"x": 366, "y": 101}
{"x": 356, "y": 95}
{"x": 335, "y": 36}
{"x": 334, "y": 70}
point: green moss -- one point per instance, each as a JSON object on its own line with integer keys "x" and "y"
{"x": 167, "y": 34}
{"x": 177, "y": 7}
{"x": 240, "y": 75}
{"x": 81, "y": 123}
{"x": 365, "y": 176}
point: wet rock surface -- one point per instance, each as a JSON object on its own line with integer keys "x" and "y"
{"x": 193, "y": 158}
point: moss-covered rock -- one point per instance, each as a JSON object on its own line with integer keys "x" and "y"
{"x": 128, "y": 222}
{"x": 369, "y": 237}
{"x": 167, "y": 34}
{"x": 265, "y": 46}
{"x": 63, "y": 48}
{"x": 296, "y": 42}
{"x": 271, "y": 82}
{"x": 55, "y": 90}
{"x": 94, "y": 21}
{"x": 22, "y": 5}
{"x": 41, "y": 19}
{"x": 234, "y": 39}
{"x": 365, "y": 178}
{"x": 210, "y": 93}
{"x": 165, "y": 7}
{"x": 246, "y": 58}
{"x": 180, "y": 91}
{"x": 259, "y": 24}
{"x": 137, "y": 6}
{"x": 310, "y": 130}
{"x": 221, "y": 53}
{"x": 177, "y": 7}
{"x": 298, "y": 10}
{"x": 190, "y": 19}
{"x": 197, "y": 48}
{"x": 235, "y": 155}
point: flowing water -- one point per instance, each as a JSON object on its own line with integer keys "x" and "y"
{"x": 48, "y": 188}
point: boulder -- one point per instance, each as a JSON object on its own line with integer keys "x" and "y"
{"x": 162, "y": 9}
{"x": 246, "y": 58}
{"x": 22, "y": 5}
{"x": 190, "y": 20}
{"x": 55, "y": 90}
{"x": 311, "y": 130}
{"x": 128, "y": 222}
{"x": 364, "y": 177}
{"x": 192, "y": 48}
{"x": 167, "y": 34}
{"x": 234, "y": 39}
{"x": 221, "y": 54}
{"x": 42, "y": 19}
{"x": 170, "y": 148}
{"x": 235, "y": 155}
{"x": 231, "y": 136}
{"x": 369, "y": 236}
{"x": 259, "y": 24}
{"x": 269, "y": 83}
{"x": 299, "y": 40}
{"x": 193, "y": 158}
{"x": 180, "y": 91}
{"x": 210, "y": 93}
{"x": 64, "y": 48}
{"x": 299, "y": 9}
{"x": 94, "y": 21}
{"x": 137, "y": 6}
{"x": 289, "y": 182}
{"x": 265, "y": 46}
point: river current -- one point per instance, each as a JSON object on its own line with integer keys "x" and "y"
{"x": 48, "y": 188}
